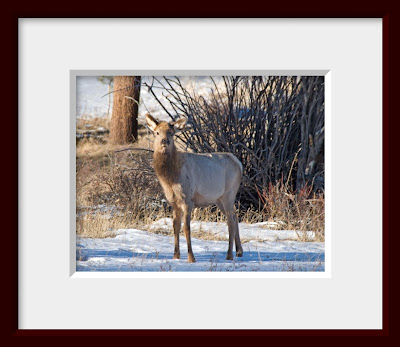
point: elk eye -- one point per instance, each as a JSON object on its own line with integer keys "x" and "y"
{"x": 157, "y": 133}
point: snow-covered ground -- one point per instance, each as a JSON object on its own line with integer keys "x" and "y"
{"x": 139, "y": 250}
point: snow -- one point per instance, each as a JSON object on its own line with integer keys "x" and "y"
{"x": 140, "y": 250}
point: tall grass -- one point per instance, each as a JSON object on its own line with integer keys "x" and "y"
{"x": 302, "y": 210}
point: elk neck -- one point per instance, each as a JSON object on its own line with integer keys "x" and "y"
{"x": 167, "y": 165}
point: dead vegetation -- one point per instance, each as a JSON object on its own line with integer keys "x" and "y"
{"x": 86, "y": 122}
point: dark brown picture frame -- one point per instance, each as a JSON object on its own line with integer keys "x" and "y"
{"x": 295, "y": 10}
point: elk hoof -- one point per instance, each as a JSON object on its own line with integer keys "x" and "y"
{"x": 239, "y": 253}
{"x": 177, "y": 256}
{"x": 229, "y": 257}
{"x": 191, "y": 258}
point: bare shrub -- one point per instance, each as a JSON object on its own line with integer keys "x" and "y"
{"x": 133, "y": 190}
{"x": 123, "y": 180}
{"x": 274, "y": 125}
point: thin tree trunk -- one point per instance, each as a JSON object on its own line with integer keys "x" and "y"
{"x": 124, "y": 123}
{"x": 109, "y": 102}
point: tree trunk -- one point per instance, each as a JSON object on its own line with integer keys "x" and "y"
{"x": 124, "y": 123}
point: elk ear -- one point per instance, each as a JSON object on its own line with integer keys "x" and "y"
{"x": 179, "y": 125}
{"x": 151, "y": 122}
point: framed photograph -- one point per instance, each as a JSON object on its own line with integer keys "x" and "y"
{"x": 277, "y": 141}
{"x": 219, "y": 155}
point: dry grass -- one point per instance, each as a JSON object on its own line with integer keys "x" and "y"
{"x": 85, "y": 123}
{"x": 95, "y": 224}
{"x": 91, "y": 148}
{"x": 101, "y": 148}
{"x": 301, "y": 211}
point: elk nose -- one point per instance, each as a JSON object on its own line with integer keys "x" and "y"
{"x": 165, "y": 142}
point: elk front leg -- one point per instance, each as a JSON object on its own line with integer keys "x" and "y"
{"x": 233, "y": 227}
{"x": 187, "y": 210}
{"x": 177, "y": 214}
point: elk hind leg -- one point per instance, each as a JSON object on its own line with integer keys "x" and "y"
{"x": 238, "y": 245}
{"x": 233, "y": 227}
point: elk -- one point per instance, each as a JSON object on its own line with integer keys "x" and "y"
{"x": 192, "y": 180}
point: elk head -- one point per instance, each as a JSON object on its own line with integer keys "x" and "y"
{"x": 164, "y": 133}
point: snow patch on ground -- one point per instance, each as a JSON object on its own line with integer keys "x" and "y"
{"x": 139, "y": 250}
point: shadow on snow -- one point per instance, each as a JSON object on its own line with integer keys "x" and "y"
{"x": 249, "y": 256}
